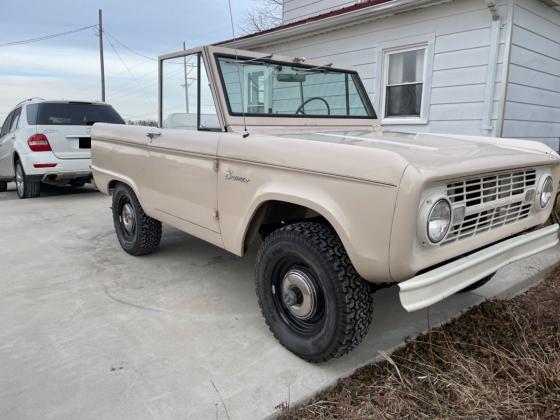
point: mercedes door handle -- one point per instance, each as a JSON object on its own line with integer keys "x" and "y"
{"x": 152, "y": 136}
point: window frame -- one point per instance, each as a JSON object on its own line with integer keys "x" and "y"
{"x": 16, "y": 114}
{"x": 8, "y": 121}
{"x": 425, "y": 43}
{"x": 199, "y": 60}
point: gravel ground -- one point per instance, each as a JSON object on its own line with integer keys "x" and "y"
{"x": 499, "y": 360}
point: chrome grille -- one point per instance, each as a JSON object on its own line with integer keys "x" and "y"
{"x": 489, "y": 219}
{"x": 481, "y": 190}
{"x": 490, "y": 201}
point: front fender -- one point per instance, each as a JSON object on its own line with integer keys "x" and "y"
{"x": 360, "y": 212}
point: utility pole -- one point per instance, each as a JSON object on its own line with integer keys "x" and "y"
{"x": 101, "y": 59}
{"x": 186, "y": 78}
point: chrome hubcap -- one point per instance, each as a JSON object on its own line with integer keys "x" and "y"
{"x": 19, "y": 180}
{"x": 127, "y": 217}
{"x": 299, "y": 294}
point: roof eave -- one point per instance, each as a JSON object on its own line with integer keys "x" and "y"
{"x": 346, "y": 19}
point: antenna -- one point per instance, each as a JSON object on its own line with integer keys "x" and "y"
{"x": 241, "y": 84}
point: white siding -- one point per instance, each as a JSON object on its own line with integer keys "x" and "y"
{"x": 461, "y": 33}
{"x": 301, "y": 9}
{"x": 533, "y": 98}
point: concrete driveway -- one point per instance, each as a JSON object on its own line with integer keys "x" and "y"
{"x": 88, "y": 332}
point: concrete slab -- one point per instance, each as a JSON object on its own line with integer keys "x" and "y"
{"x": 88, "y": 332}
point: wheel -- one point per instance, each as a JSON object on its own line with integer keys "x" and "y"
{"x": 310, "y": 295}
{"x": 77, "y": 184}
{"x": 3, "y": 186}
{"x": 478, "y": 284}
{"x": 137, "y": 232}
{"x": 24, "y": 186}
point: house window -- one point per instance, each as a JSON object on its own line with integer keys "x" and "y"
{"x": 404, "y": 83}
{"x": 256, "y": 92}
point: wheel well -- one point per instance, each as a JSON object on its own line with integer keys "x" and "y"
{"x": 272, "y": 215}
{"x": 113, "y": 184}
{"x": 15, "y": 159}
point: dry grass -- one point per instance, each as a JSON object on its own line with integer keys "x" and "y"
{"x": 499, "y": 360}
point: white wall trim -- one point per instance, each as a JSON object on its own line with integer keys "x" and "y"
{"x": 490, "y": 89}
{"x": 505, "y": 72}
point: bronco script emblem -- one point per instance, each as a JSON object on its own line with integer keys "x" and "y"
{"x": 230, "y": 176}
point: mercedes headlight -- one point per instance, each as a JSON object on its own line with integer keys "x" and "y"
{"x": 439, "y": 220}
{"x": 546, "y": 192}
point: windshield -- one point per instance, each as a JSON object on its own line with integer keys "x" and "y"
{"x": 70, "y": 113}
{"x": 260, "y": 87}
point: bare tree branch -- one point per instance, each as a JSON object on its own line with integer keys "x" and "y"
{"x": 264, "y": 15}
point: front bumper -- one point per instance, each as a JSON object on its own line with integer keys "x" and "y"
{"x": 426, "y": 289}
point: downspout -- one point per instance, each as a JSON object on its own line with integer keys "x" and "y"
{"x": 490, "y": 90}
{"x": 505, "y": 71}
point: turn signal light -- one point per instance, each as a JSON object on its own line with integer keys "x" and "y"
{"x": 39, "y": 143}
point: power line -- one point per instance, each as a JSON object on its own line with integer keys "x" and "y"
{"x": 130, "y": 49}
{"x": 129, "y": 71}
{"x": 45, "y": 37}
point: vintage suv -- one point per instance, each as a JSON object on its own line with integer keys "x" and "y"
{"x": 288, "y": 154}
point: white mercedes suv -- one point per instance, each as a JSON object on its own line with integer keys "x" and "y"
{"x": 49, "y": 141}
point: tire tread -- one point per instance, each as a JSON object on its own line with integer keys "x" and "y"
{"x": 149, "y": 229}
{"x": 357, "y": 310}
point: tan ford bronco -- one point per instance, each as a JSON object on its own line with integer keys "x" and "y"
{"x": 288, "y": 155}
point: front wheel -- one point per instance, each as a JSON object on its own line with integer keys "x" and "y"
{"x": 26, "y": 188}
{"x": 138, "y": 233}
{"x": 310, "y": 295}
{"x": 3, "y": 186}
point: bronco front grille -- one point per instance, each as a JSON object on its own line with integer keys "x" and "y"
{"x": 476, "y": 191}
{"x": 489, "y": 202}
{"x": 486, "y": 220}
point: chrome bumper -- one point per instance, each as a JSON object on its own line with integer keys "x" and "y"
{"x": 431, "y": 287}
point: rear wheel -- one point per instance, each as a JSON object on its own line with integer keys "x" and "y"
{"x": 26, "y": 188}
{"x": 137, "y": 232}
{"x": 311, "y": 297}
{"x": 3, "y": 186}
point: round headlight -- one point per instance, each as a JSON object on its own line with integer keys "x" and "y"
{"x": 546, "y": 192}
{"x": 439, "y": 221}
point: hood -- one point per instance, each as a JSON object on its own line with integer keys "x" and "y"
{"x": 439, "y": 156}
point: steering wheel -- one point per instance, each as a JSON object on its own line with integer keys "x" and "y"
{"x": 301, "y": 109}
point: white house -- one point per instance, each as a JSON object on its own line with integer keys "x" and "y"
{"x": 481, "y": 67}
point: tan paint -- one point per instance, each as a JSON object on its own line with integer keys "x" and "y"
{"x": 367, "y": 182}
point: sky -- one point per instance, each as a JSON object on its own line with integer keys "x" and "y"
{"x": 68, "y": 67}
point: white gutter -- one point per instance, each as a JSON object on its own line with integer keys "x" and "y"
{"x": 350, "y": 18}
{"x": 490, "y": 89}
{"x": 505, "y": 71}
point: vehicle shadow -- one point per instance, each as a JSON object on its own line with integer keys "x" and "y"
{"x": 48, "y": 191}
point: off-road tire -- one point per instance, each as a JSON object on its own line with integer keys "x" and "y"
{"x": 478, "y": 284}
{"x": 348, "y": 300}
{"x": 25, "y": 187}
{"x": 3, "y": 186}
{"x": 146, "y": 236}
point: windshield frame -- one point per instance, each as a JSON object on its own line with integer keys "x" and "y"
{"x": 368, "y": 106}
